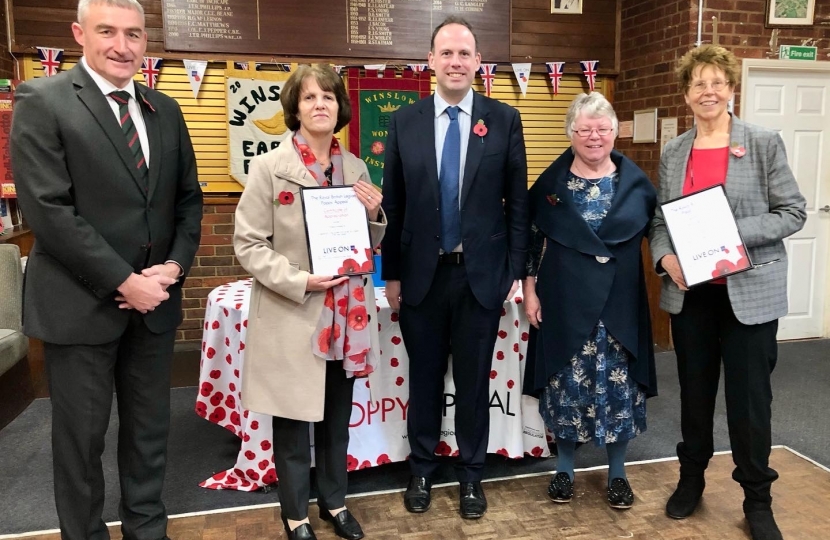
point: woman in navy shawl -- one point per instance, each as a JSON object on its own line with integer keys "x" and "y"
{"x": 591, "y": 358}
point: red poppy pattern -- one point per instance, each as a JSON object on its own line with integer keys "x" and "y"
{"x": 515, "y": 425}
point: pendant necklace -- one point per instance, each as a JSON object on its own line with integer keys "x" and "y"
{"x": 594, "y": 191}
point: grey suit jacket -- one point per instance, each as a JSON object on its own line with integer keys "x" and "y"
{"x": 764, "y": 197}
{"x": 94, "y": 222}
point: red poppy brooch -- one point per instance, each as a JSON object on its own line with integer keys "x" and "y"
{"x": 552, "y": 199}
{"x": 285, "y": 197}
{"x": 737, "y": 150}
{"x": 480, "y": 129}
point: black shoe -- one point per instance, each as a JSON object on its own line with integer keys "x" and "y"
{"x": 685, "y": 498}
{"x": 762, "y": 525}
{"x": 473, "y": 501}
{"x": 561, "y": 488}
{"x": 345, "y": 525}
{"x": 619, "y": 494}
{"x": 303, "y": 532}
{"x": 417, "y": 498}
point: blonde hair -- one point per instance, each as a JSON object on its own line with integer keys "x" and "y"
{"x": 592, "y": 105}
{"x": 708, "y": 55}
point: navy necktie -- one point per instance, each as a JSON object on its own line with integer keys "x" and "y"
{"x": 448, "y": 178}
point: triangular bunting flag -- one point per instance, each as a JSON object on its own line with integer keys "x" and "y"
{"x": 374, "y": 70}
{"x": 195, "y": 73}
{"x": 286, "y": 67}
{"x": 589, "y": 68}
{"x": 488, "y": 75}
{"x": 417, "y": 68}
{"x": 151, "y": 68}
{"x": 50, "y": 59}
{"x": 522, "y": 72}
{"x": 555, "y": 70}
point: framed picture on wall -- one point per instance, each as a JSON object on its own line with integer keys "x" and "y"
{"x": 567, "y": 6}
{"x": 790, "y": 12}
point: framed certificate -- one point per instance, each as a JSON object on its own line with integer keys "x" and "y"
{"x": 337, "y": 229}
{"x": 705, "y": 236}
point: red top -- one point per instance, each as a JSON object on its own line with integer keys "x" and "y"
{"x": 707, "y": 167}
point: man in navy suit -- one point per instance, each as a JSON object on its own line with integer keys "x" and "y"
{"x": 455, "y": 196}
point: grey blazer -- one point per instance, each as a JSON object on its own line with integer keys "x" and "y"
{"x": 764, "y": 197}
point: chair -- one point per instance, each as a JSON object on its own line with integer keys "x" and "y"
{"x": 13, "y": 344}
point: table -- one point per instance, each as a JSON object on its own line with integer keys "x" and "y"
{"x": 377, "y": 428}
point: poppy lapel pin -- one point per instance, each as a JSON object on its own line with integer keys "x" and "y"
{"x": 737, "y": 150}
{"x": 480, "y": 129}
{"x": 284, "y": 198}
{"x": 553, "y": 199}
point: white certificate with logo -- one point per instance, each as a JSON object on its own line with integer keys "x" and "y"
{"x": 705, "y": 236}
{"x": 337, "y": 230}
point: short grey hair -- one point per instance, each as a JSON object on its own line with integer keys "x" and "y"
{"x": 593, "y": 105}
{"x": 83, "y": 6}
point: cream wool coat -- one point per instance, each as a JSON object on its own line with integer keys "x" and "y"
{"x": 281, "y": 376}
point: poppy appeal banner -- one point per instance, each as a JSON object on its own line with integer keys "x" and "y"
{"x": 374, "y": 99}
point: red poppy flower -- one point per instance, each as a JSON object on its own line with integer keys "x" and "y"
{"x": 335, "y": 147}
{"x": 329, "y": 300}
{"x": 358, "y": 358}
{"x": 326, "y": 336}
{"x": 383, "y": 459}
{"x": 359, "y": 294}
{"x": 346, "y": 346}
{"x": 285, "y": 197}
{"x": 377, "y": 148}
{"x": 552, "y": 199}
{"x": 358, "y": 318}
{"x": 502, "y": 452}
{"x": 351, "y": 462}
{"x": 308, "y": 155}
{"x": 443, "y": 449}
{"x": 343, "y": 304}
{"x": 369, "y": 254}
{"x": 350, "y": 266}
{"x": 480, "y": 129}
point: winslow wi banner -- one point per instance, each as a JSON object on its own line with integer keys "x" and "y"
{"x": 373, "y": 100}
{"x": 256, "y": 123}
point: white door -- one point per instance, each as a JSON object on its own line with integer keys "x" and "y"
{"x": 794, "y": 99}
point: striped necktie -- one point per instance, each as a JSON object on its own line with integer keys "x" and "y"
{"x": 448, "y": 177}
{"x": 128, "y": 127}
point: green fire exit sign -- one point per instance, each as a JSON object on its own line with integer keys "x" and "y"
{"x": 794, "y": 52}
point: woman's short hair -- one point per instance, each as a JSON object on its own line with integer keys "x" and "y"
{"x": 592, "y": 105}
{"x": 83, "y": 6}
{"x": 328, "y": 80}
{"x": 708, "y": 55}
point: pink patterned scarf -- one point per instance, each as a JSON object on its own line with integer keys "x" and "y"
{"x": 343, "y": 329}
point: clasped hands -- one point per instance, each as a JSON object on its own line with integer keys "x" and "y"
{"x": 145, "y": 291}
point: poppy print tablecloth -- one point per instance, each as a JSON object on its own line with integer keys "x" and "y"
{"x": 378, "y": 427}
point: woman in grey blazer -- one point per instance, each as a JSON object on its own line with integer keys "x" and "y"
{"x": 733, "y": 320}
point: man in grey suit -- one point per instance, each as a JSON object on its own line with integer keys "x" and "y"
{"x": 106, "y": 177}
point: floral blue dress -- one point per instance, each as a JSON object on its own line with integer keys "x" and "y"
{"x": 592, "y": 397}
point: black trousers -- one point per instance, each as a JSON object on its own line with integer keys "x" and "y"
{"x": 449, "y": 320}
{"x": 81, "y": 380}
{"x": 705, "y": 333}
{"x": 292, "y": 450}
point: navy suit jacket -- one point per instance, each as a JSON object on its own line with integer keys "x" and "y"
{"x": 494, "y": 219}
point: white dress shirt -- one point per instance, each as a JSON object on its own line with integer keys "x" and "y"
{"x": 135, "y": 111}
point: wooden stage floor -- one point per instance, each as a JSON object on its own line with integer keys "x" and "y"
{"x": 520, "y": 509}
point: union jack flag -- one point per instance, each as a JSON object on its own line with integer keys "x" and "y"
{"x": 555, "y": 74}
{"x": 151, "y": 68}
{"x": 417, "y": 68}
{"x": 50, "y": 59}
{"x": 589, "y": 68}
{"x": 488, "y": 75}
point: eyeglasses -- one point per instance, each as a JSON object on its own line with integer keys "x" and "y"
{"x": 700, "y": 86}
{"x": 586, "y": 132}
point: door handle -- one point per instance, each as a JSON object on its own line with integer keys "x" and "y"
{"x": 826, "y": 208}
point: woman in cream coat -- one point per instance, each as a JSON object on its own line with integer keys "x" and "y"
{"x": 286, "y": 373}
